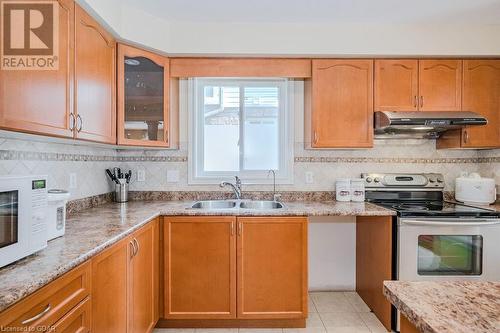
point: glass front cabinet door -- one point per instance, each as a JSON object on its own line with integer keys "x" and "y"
{"x": 143, "y": 98}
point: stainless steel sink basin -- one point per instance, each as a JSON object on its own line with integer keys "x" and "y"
{"x": 261, "y": 204}
{"x": 214, "y": 204}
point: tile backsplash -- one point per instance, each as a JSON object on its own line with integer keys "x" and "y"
{"x": 59, "y": 160}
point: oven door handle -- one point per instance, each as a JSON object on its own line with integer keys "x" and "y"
{"x": 449, "y": 223}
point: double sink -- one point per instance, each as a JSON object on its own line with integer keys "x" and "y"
{"x": 234, "y": 204}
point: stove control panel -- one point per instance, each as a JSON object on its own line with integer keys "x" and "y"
{"x": 402, "y": 180}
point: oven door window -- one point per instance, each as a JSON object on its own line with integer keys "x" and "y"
{"x": 8, "y": 218}
{"x": 450, "y": 255}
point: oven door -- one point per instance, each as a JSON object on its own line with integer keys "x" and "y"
{"x": 433, "y": 249}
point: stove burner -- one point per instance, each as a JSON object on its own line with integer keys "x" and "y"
{"x": 404, "y": 206}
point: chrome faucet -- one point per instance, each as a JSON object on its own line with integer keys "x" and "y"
{"x": 276, "y": 197}
{"x": 236, "y": 187}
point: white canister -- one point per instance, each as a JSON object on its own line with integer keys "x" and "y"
{"x": 56, "y": 217}
{"x": 358, "y": 190}
{"x": 473, "y": 189}
{"x": 343, "y": 189}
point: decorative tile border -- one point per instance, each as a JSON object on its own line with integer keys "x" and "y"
{"x": 51, "y": 156}
{"x": 398, "y": 160}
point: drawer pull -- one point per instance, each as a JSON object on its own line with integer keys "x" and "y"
{"x": 137, "y": 246}
{"x": 38, "y": 316}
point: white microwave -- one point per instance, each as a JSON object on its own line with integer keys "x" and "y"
{"x": 23, "y": 209}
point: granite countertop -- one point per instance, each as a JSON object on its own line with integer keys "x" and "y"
{"x": 92, "y": 230}
{"x": 448, "y": 306}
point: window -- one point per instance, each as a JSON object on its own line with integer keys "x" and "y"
{"x": 240, "y": 127}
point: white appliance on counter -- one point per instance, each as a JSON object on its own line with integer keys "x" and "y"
{"x": 56, "y": 213}
{"x": 23, "y": 209}
{"x": 473, "y": 189}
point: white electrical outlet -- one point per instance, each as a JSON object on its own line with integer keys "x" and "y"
{"x": 141, "y": 175}
{"x": 72, "y": 180}
{"x": 172, "y": 176}
{"x": 309, "y": 177}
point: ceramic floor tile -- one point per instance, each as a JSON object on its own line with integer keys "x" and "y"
{"x": 335, "y": 302}
{"x": 173, "y": 330}
{"x": 356, "y": 301}
{"x": 216, "y": 330}
{"x": 372, "y": 322}
{"x": 305, "y": 330}
{"x": 360, "y": 329}
{"x": 261, "y": 330}
{"x": 342, "y": 319}
{"x": 314, "y": 321}
{"x": 311, "y": 306}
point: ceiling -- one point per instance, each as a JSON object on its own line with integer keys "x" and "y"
{"x": 324, "y": 11}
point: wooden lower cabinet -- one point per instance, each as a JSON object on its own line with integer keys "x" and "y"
{"x": 374, "y": 263}
{"x": 50, "y": 305}
{"x": 77, "y": 320}
{"x": 206, "y": 257}
{"x": 109, "y": 289}
{"x": 406, "y": 326}
{"x": 200, "y": 267}
{"x": 124, "y": 284}
{"x": 272, "y": 267}
{"x": 142, "y": 281}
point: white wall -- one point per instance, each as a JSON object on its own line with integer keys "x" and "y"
{"x": 332, "y": 253}
{"x": 295, "y": 39}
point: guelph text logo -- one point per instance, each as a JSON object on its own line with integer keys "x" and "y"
{"x": 29, "y": 35}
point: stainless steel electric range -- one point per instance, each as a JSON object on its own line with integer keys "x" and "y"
{"x": 435, "y": 239}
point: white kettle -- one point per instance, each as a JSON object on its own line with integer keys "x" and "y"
{"x": 473, "y": 189}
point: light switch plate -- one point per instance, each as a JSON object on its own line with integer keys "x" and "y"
{"x": 72, "y": 180}
{"x": 309, "y": 177}
{"x": 141, "y": 175}
{"x": 172, "y": 176}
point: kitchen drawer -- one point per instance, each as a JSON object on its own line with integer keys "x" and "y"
{"x": 77, "y": 320}
{"x": 51, "y": 303}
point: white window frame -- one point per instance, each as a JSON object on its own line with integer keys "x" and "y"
{"x": 284, "y": 175}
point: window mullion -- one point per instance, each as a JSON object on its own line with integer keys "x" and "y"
{"x": 241, "y": 145}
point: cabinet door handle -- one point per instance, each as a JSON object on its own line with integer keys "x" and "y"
{"x": 232, "y": 228}
{"x": 466, "y": 136}
{"x": 240, "y": 228}
{"x": 421, "y": 101}
{"x": 79, "y": 123}
{"x": 38, "y": 316}
{"x": 71, "y": 121}
{"x": 137, "y": 246}
{"x": 315, "y": 137}
{"x": 415, "y": 101}
{"x": 132, "y": 245}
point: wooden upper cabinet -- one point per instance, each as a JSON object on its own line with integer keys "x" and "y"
{"x": 341, "y": 101}
{"x": 272, "y": 267}
{"x": 481, "y": 94}
{"x": 40, "y": 101}
{"x": 95, "y": 80}
{"x": 440, "y": 85}
{"x": 396, "y": 85}
{"x": 143, "y": 98}
{"x": 200, "y": 267}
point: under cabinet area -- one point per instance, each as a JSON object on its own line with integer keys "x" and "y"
{"x": 143, "y": 98}
{"x": 234, "y": 268}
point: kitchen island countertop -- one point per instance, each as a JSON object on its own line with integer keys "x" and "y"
{"x": 447, "y": 306}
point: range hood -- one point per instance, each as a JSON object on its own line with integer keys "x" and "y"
{"x": 422, "y": 124}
